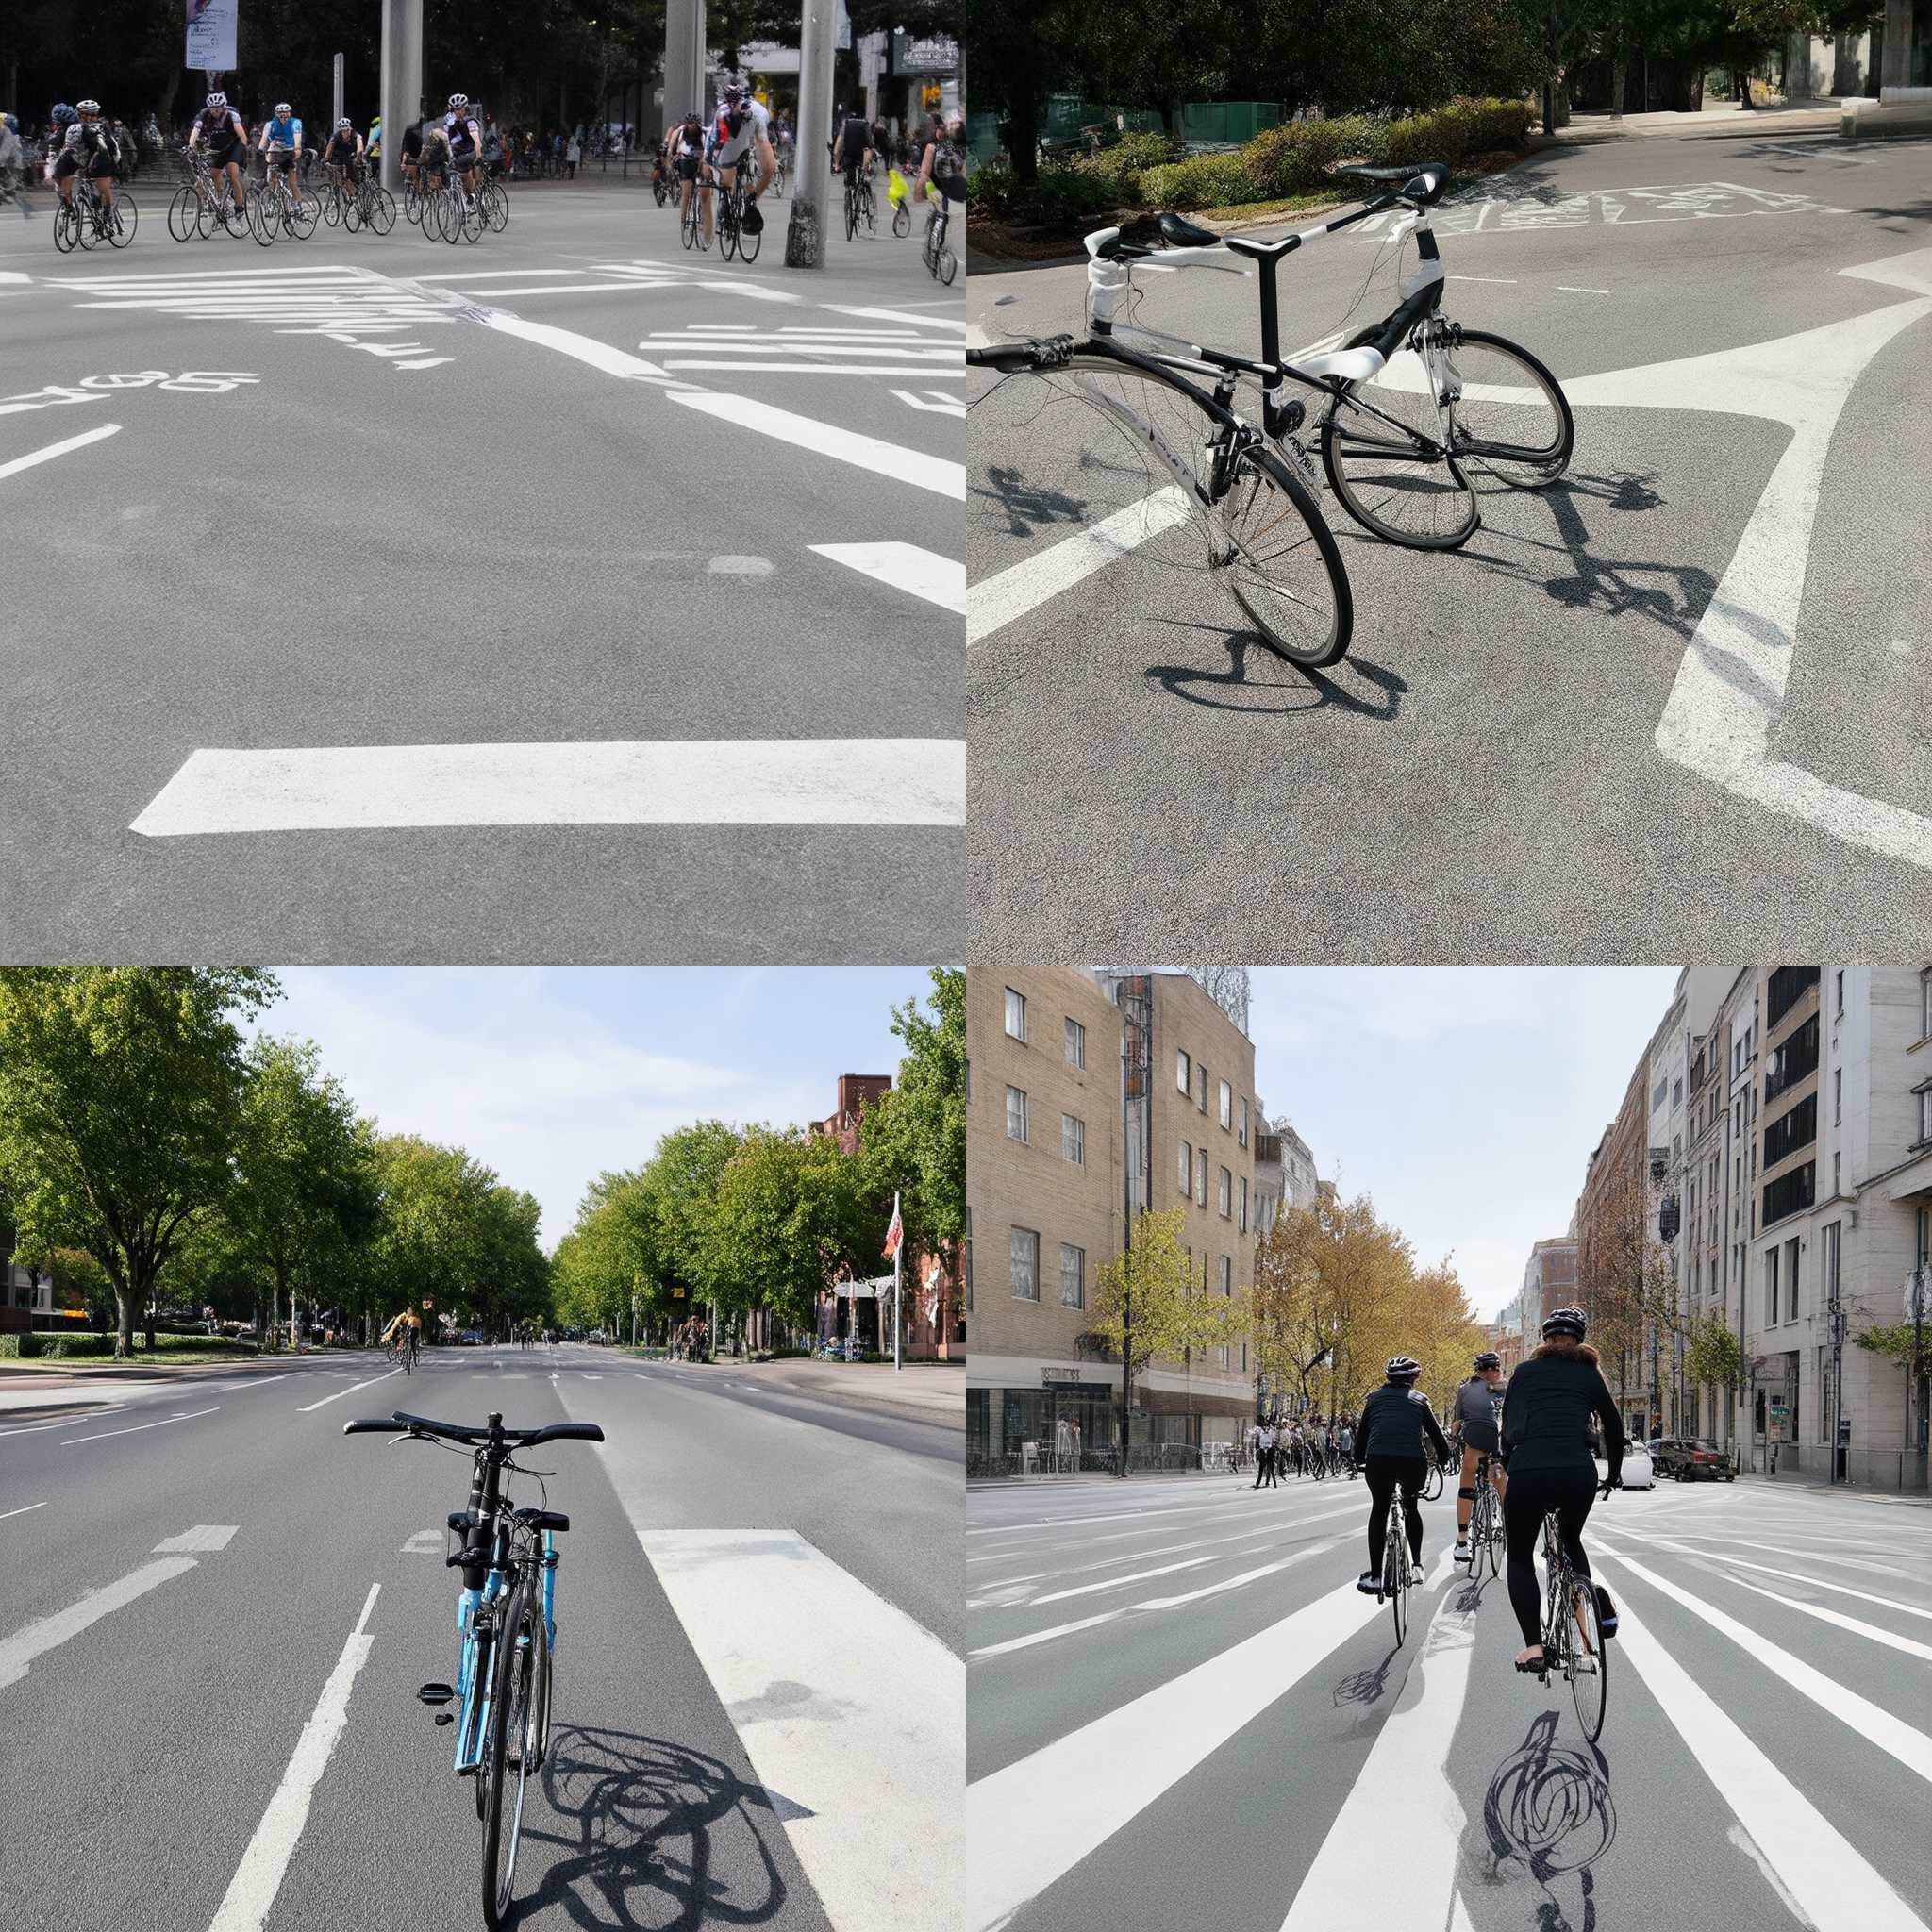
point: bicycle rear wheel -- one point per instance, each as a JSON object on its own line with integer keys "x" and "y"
{"x": 1509, "y": 415}
{"x": 510, "y": 1756}
{"x": 381, "y": 212}
{"x": 1384, "y": 445}
{"x": 749, "y": 240}
{"x": 1246, "y": 520}
{"x": 1586, "y": 1660}
{"x": 1432, "y": 1483}
{"x": 1396, "y": 1571}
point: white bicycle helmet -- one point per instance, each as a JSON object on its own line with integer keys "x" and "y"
{"x": 344, "y": 126}
{"x": 1403, "y": 1367}
{"x": 217, "y": 100}
{"x": 457, "y": 101}
{"x": 90, "y": 107}
{"x": 283, "y": 110}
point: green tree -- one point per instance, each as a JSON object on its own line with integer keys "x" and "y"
{"x": 81, "y": 1282}
{"x": 1141, "y": 1298}
{"x": 1712, "y": 1353}
{"x": 121, "y": 1093}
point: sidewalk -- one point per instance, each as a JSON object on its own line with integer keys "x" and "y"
{"x": 1854, "y": 117}
{"x": 921, "y": 1392}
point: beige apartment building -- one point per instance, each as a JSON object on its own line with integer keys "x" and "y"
{"x": 1091, "y": 1097}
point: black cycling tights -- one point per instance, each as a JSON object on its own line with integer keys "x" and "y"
{"x": 1384, "y": 1473}
{"x": 1532, "y": 1494}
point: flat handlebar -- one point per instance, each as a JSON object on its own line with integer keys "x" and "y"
{"x": 456, "y": 1432}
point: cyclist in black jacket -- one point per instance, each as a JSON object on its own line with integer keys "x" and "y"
{"x": 1546, "y": 1416}
{"x": 1396, "y": 1423}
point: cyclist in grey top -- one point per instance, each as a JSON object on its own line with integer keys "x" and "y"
{"x": 1478, "y": 1406}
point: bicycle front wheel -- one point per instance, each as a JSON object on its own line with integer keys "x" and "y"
{"x": 1384, "y": 447}
{"x": 184, "y": 212}
{"x": 1508, "y": 414}
{"x": 1395, "y": 1573}
{"x": 511, "y": 1752}
{"x": 749, "y": 242}
{"x": 1585, "y": 1661}
{"x": 122, "y": 220}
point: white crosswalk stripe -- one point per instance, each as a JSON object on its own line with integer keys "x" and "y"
{"x": 1105, "y": 1754}
{"x": 804, "y": 350}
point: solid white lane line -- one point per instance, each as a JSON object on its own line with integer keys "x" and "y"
{"x": 882, "y": 781}
{"x": 1046, "y": 1636}
{"x": 1239, "y": 1581}
{"x": 1871, "y": 1721}
{"x": 1392, "y": 1855}
{"x": 35, "y": 1639}
{"x": 59, "y": 449}
{"x": 864, "y": 1756}
{"x": 898, "y": 315}
{"x": 203, "y": 1536}
{"x": 1770, "y": 1570}
{"x": 1564, "y": 289}
{"x": 27, "y": 1509}
{"x": 252, "y": 1890}
{"x": 581, "y": 348}
{"x": 921, "y": 574}
{"x": 1056, "y": 1596}
{"x": 1835, "y": 1888}
{"x": 1048, "y": 1811}
{"x": 925, "y": 371}
{"x": 842, "y": 445}
{"x": 1025, "y": 586}
{"x": 138, "y": 1427}
{"x": 1910, "y": 1645}
{"x": 350, "y": 1391}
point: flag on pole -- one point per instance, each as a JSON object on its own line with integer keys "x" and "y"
{"x": 897, "y": 1233}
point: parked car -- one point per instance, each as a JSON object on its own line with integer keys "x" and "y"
{"x": 1693, "y": 1458}
{"x": 472, "y": 1338}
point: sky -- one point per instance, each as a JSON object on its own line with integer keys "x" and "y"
{"x": 552, "y": 1076}
{"x": 1466, "y": 1100}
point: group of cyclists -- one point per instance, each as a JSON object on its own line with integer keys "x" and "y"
{"x": 1535, "y": 1439}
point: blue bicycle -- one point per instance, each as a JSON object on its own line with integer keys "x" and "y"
{"x": 507, "y": 1622}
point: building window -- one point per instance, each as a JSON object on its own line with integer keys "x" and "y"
{"x": 1226, "y": 1108}
{"x": 1187, "y": 1161}
{"x": 1833, "y": 1232}
{"x": 1226, "y": 1200}
{"x": 1201, "y": 1177}
{"x": 1925, "y": 1113}
{"x": 1838, "y": 1095}
{"x": 1791, "y": 1279}
{"x": 1026, "y": 1264}
{"x": 1925, "y": 1238}
{"x": 1244, "y": 1205}
{"x": 1183, "y": 1078}
{"x": 1770, "y": 1263}
{"x": 1016, "y": 1015}
{"x": 1839, "y": 978}
{"x": 966, "y": 1260}
{"x": 1072, "y": 1276}
{"x": 1791, "y": 1131}
{"x": 1677, "y": 1095}
{"x": 1834, "y": 1159}
{"x": 1925, "y": 1004}
{"x": 1791, "y": 1194}
{"x": 1243, "y": 1136}
{"x": 1016, "y": 1114}
{"x": 1793, "y": 1061}
{"x": 1076, "y": 1049}
{"x": 1785, "y": 988}
{"x": 1227, "y": 1274}
{"x": 1073, "y": 1139}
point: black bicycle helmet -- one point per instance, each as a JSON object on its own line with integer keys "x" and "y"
{"x": 1403, "y": 1367}
{"x": 1489, "y": 1359}
{"x": 1566, "y": 1322}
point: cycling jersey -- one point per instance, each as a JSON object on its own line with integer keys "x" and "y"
{"x": 282, "y": 133}
{"x": 412, "y": 139}
{"x": 221, "y": 127}
{"x": 732, "y": 144}
{"x": 1477, "y": 1406}
{"x": 461, "y": 131}
{"x": 372, "y": 146}
{"x": 856, "y": 138}
{"x": 340, "y": 149}
{"x": 1546, "y": 1416}
{"x": 1398, "y": 1421}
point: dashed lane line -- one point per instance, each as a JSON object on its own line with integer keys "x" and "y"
{"x": 186, "y": 1416}
{"x": 25, "y": 1510}
{"x": 350, "y": 1391}
{"x": 921, "y": 574}
{"x": 99, "y": 434}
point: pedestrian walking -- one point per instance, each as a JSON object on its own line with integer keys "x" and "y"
{"x": 572, "y": 155}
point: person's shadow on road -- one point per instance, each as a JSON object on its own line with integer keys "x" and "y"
{"x": 648, "y": 1833}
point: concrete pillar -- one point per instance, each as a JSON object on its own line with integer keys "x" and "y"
{"x": 401, "y": 82}
{"x": 683, "y": 58}
{"x": 811, "y": 199}
{"x": 1895, "y": 74}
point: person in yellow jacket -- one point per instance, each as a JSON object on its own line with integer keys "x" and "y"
{"x": 405, "y": 1333}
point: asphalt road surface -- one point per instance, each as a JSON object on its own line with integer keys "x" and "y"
{"x": 1178, "y": 1694}
{"x": 215, "y": 1611}
{"x": 569, "y": 596}
{"x": 1679, "y": 703}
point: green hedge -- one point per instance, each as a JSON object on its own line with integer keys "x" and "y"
{"x": 1291, "y": 160}
{"x": 37, "y": 1345}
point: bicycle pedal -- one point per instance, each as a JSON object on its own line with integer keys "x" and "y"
{"x": 436, "y": 1693}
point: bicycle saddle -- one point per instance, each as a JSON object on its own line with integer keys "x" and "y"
{"x": 1179, "y": 232}
{"x": 1424, "y": 184}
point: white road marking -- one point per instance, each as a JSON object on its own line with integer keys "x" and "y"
{"x": 883, "y": 781}
{"x": 851, "y": 1713}
{"x": 424, "y": 1543}
{"x": 1796, "y": 1575}
{"x": 1835, "y": 1888}
{"x": 27, "y": 1510}
{"x": 583, "y": 348}
{"x": 1564, "y": 289}
{"x": 341, "y": 1392}
{"x": 898, "y": 315}
{"x": 189, "y": 1417}
{"x": 1509, "y": 280}
{"x": 1392, "y": 1854}
{"x": 906, "y": 567}
{"x": 1057, "y": 1596}
{"x": 1910, "y": 1645}
{"x": 35, "y": 1639}
{"x": 258, "y": 1877}
{"x": 829, "y": 440}
{"x": 1049, "y": 1810}
{"x": 203, "y": 1536}
{"x": 997, "y": 600}
{"x": 97, "y": 434}
{"x": 1871, "y": 1721}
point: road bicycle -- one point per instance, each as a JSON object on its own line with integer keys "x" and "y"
{"x": 1485, "y": 1521}
{"x": 203, "y": 202}
{"x": 690, "y": 218}
{"x": 371, "y": 207}
{"x": 1573, "y": 1632}
{"x": 404, "y": 1351}
{"x": 83, "y": 220}
{"x": 1432, "y": 1481}
{"x": 1394, "y": 1586}
{"x": 278, "y": 206}
{"x": 858, "y": 205}
{"x": 941, "y": 263}
{"x": 734, "y": 236}
{"x": 507, "y": 1622}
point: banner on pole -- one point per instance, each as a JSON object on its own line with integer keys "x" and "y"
{"x": 212, "y": 33}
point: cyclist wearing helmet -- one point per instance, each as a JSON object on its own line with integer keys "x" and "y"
{"x": 1545, "y": 1435}
{"x": 282, "y": 139}
{"x": 1396, "y": 1422}
{"x": 410, "y": 153}
{"x": 465, "y": 140}
{"x": 685, "y": 152}
{"x": 943, "y": 161}
{"x": 372, "y": 148}
{"x": 220, "y": 129}
{"x": 12, "y": 159}
{"x": 86, "y": 147}
{"x": 1479, "y": 1402}
{"x": 852, "y": 148}
{"x": 741, "y": 129}
{"x": 344, "y": 152}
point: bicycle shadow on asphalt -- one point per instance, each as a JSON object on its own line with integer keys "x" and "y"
{"x": 637, "y": 1839}
{"x": 1548, "y": 1812}
{"x": 1297, "y": 688}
